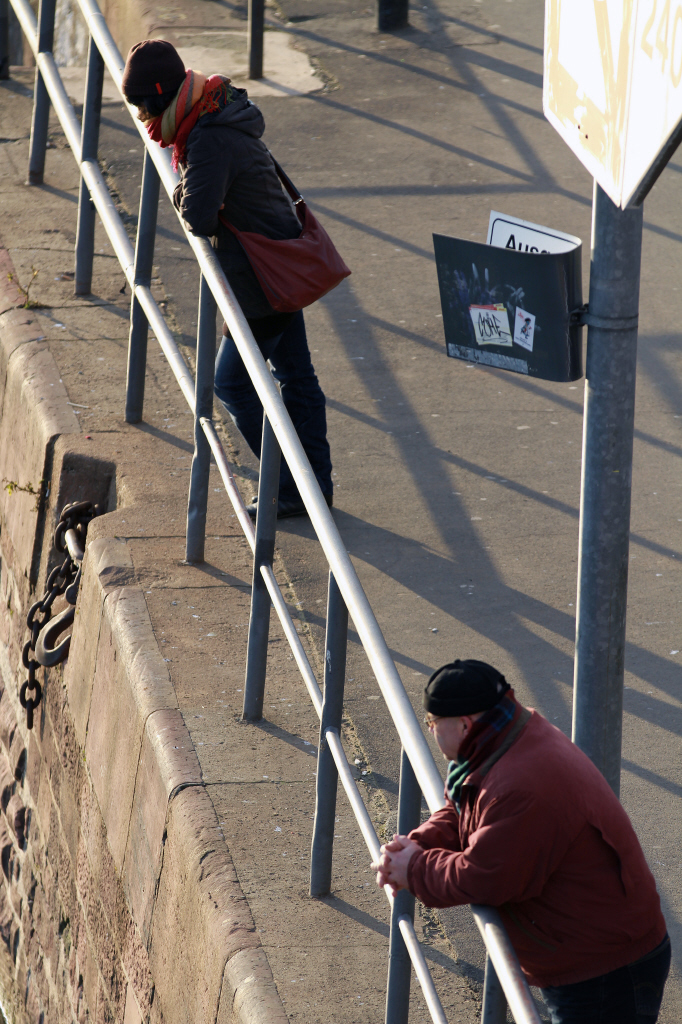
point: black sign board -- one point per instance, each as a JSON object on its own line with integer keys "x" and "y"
{"x": 511, "y": 309}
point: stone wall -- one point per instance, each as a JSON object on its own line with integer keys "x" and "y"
{"x": 118, "y": 897}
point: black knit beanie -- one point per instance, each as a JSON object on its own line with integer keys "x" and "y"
{"x": 464, "y": 688}
{"x": 153, "y": 67}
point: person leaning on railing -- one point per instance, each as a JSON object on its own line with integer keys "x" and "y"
{"x": 215, "y": 131}
{"x": 532, "y": 827}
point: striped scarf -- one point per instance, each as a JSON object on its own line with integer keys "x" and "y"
{"x": 172, "y": 128}
{"x": 479, "y": 745}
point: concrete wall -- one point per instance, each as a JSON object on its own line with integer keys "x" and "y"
{"x": 118, "y": 897}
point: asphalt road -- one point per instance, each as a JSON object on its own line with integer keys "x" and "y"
{"x": 457, "y": 487}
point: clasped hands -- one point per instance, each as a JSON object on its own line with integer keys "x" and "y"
{"x": 391, "y": 868}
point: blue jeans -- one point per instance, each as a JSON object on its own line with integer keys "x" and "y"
{"x": 302, "y": 395}
{"x": 630, "y": 995}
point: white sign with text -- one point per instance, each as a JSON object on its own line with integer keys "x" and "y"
{"x": 524, "y": 236}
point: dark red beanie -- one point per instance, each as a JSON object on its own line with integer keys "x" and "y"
{"x": 152, "y": 68}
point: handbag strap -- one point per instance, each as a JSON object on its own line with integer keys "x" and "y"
{"x": 294, "y": 194}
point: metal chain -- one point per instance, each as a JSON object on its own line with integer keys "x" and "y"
{"x": 63, "y": 579}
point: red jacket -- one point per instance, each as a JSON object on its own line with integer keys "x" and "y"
{"x": 543, "y": 837}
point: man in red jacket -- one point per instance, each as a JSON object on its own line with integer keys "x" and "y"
{"x": 531, "y": 827}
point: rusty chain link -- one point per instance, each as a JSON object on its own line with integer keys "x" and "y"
{"x": 64, "y": 579}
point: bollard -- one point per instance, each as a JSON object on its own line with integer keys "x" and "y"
{"x": 266, "y": 532}
{"x": 606, "y": 484}
{"x": 144, "y": 260}
{"x": 92, "y": 110}
{"x": 399, "y": 965}
{"x": 254, "y": 37}
{"x": 197, "y": 503}
{"x": 4, "y": 40}
{"x": 326, "y": 780}
{"x": 41, "y": 100}
{"x": 392, "y": 14}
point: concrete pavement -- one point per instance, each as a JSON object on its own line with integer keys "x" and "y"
{"x": 457, "y": 486}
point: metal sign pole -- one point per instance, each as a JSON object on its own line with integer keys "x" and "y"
{"x": 606, "y": 483}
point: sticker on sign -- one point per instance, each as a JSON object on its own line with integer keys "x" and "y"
{"x": 491, "y": 325}
{"x": 512, "y": 233}
{"x": 613, "y": 87}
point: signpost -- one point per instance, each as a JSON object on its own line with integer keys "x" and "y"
{"x": 613, "y": 91}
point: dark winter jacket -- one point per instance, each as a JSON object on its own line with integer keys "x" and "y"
{"x": 543, "y": 837}
{"x": 227, "y": 163}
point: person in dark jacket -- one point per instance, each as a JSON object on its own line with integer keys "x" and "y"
{"x": 227, "y": 171}
{"x": 530, "y": 826}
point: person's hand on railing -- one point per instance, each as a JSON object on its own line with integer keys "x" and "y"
{"x": 392, "y": 867}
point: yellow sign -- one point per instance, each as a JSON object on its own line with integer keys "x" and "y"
{"x": 613, "y": 85}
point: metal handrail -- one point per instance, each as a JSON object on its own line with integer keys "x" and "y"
{"x": 409, "y": 730}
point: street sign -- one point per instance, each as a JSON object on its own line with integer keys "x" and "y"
{"x": 511, "y": 309}
{"x": 513, "y": 233}
{"x": 613, "y": 87}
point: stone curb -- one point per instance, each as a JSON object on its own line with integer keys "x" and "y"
{"x": 161, "y": 828}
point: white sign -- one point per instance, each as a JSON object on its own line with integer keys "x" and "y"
{"x": 613, "y": 84}
{"x": 524, "y": 329}
{"x": 491, "y": 325}
{"x": 513, "y": 233}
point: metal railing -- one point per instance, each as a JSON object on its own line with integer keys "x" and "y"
{"x": 504, "y": 981}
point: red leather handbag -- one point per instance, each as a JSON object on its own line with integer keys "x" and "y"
{"x": 293, "y": 272}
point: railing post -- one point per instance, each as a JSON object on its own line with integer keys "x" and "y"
{"x": 266, "y": 531}
{"x": 4, "y": 40}
{"x": 92, "y": 110}
{"x": 331, "y": 718}
{"x": 203, "y": 406}
{"x": 144, "y": 260}
{"x": 494, "y": 1000}
{"x": 392, "y": 14}
{"x": 399, "y": 964}
{"x": 41, "y": 100}
{"x": 254, "y": 37}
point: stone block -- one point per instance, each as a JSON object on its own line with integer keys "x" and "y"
{"x": 6, "y": 781}
{"x": 137, "y": 967}
{"x": 90, "y": 981}
{"x": 34, "y": 412}
{"x": 80, "y": 471}
{"x": 10, "y": 295}
{"x": 32, "y": 771}
{"x": 131, "y": 682}
{"x": 70, "y": 819}
{"x": 201, "y": 917}
{"x": 249, "y": 992}
{"x": 104, "y": 559}
{"x": 6, "y": 917}
{"x": 17, "y": 755}
{"x": 6, "y": 850}
{"x": 16, "y": 817}
{"x": 43, "y": 807}
{"x": 131, "y": 1013}
{"x": 8, "y": 721}
{"x": 17, "y": 327}
{"x": 168, "y": 761}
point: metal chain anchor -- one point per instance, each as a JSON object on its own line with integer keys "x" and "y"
{"x": 69, "y": 539}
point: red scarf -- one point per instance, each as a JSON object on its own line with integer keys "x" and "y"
{"x": 172, "y": 128}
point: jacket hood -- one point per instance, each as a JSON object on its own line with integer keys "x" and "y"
{"x": 239, "y": 113}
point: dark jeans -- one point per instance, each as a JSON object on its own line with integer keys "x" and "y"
{"x": 302, "y": 395}
{"x": 630, "y": 995}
